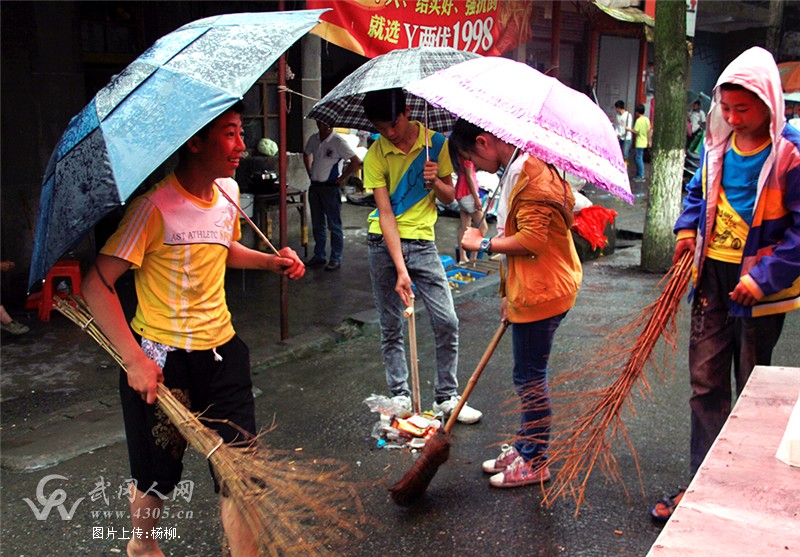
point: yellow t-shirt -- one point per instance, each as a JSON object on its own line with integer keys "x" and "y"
{"x": 741, "y": 170}
{"x": 730, "y": 233}
{"x": 385, "y": 165}
{"x": 642, "y": 129}
{"x": 178, "y": 246}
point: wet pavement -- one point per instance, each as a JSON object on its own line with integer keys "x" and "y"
{"x": 60, "y": 416}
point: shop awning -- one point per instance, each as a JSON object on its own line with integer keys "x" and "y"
{"x": 631, "y": 15}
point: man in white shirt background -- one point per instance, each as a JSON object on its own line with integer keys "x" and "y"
{"x": 696, "y": 122}
{"x": 323, "y": 156}
{"x": 622, "y": 122}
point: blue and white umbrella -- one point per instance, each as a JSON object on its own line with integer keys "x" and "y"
{"x": 181, "y": 83}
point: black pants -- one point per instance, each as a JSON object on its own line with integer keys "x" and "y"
{"x": 220, "y": 390}
{"x": 717, "y": 341}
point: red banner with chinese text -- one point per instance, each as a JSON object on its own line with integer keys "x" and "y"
{"x": 374, "y": 27}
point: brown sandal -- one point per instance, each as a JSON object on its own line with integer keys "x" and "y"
{"x": 663, "y": 509}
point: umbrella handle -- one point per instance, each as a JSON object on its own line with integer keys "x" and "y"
{"x": 488, "y": 203}
{"x": 248, "y": 219}
{"x": 428, "y": 183}
{"x": 498, "y": 188}
{"x": 427, "y": 146}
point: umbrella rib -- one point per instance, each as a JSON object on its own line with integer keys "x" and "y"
{"x": 159, "y": 66}
{"x": 248, "y": 219}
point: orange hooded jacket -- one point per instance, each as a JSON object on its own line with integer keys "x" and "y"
{"x": 544, "y": 283}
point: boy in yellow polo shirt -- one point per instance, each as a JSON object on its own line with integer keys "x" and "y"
{"x": 178, "y": 238}
{"x": 401, "y": 243}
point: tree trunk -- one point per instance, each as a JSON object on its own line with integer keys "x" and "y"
{"x": 774, "y": 31}
{"x": 669, "y": 136}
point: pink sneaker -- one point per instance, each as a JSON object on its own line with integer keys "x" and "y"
{"x": 520, "y": 473}
{"x": 508, "y": 454}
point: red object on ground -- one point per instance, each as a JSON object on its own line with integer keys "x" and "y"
{"x": 66, "y": 268}
{"x": 591, "y": 223}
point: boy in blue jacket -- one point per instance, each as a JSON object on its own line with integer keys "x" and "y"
{"x": 741, "y": 220}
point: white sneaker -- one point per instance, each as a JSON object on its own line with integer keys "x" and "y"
{"x": 403, "y": 405}
{"x": 468, "y": 415}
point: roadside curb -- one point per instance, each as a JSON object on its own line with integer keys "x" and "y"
{"x": 63, "y": 435}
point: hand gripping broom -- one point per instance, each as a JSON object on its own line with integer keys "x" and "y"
{"x": 291, "y": 506}
{"x": 437, "y": 450}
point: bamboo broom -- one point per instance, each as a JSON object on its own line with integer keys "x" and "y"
{"x": 436, "y": 451}
{"x": 292, "y": 507}
{"x": 588, "y": 440}
{"x": 410, "y": 314}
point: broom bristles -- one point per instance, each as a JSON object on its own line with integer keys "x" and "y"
{"x": 437, "y": 449}
{"x": 413, "y": 485}
{"x": 594, "y": 414}
{"x": 290, "y": 506}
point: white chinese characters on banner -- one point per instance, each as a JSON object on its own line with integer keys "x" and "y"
{"x": 375, "y": 27}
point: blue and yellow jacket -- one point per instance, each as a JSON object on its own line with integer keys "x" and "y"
{"x": 770, "y": 265}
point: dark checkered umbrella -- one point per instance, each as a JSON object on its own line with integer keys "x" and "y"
{"x": 342, "y": 106}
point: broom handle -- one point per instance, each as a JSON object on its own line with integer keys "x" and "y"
{"x": 248, "y": 219}
{"x": 412, "y": 342}
{"x": 473, "y": 380}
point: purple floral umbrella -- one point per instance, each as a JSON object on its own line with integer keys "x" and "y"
{"x": 537, "y": 113}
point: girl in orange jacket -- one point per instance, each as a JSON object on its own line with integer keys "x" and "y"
{"x": 543, "y": 274}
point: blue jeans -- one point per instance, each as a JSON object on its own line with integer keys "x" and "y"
{"x": 326, "y": 212}
{"x": 427, "y": 273}
{"x": 531, "y": 344}
{"x": 717, "y": 340}
{"x": 639, "y": 160}
{"x": 625, "y": 147}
